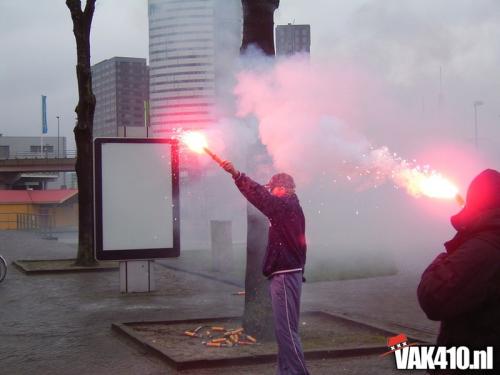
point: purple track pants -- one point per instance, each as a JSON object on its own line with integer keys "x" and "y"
{"x": 285, "y": 290}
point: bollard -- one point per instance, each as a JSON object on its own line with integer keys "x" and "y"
{"x": 222, "y": 245}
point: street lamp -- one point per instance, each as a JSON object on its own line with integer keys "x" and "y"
{"x": 57, "y": 136}
{"x": 477, "y": 103}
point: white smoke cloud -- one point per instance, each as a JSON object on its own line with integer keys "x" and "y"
{"x": 333, "y": 126}
{"x": 306, "y": 120}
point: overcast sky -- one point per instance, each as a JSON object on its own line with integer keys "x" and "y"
{"x": 404, "y": 43}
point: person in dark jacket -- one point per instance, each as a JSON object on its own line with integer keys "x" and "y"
{"x": 461, "y": 288}
{"x": 284, "y": 260}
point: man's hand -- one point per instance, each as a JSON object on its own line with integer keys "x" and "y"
{"x": 229, "y": 168}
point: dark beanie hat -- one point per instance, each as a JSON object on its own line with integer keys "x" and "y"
{"x": 281, "y": 179}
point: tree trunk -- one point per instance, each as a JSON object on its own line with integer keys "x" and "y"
{"x": 258, "y": 25}
{"x": 258, "y": 30}
{"x": 82, "y": 21}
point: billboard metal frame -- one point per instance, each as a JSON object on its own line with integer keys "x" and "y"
{"x": 134, "y": 254}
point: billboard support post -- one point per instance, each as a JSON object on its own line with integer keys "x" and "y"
{"x": 137, "y": 276}
{"x": 136, "y": 206}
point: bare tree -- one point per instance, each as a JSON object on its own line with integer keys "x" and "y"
{"x": 258, "y": 30}
{"x": 82, "y": 21}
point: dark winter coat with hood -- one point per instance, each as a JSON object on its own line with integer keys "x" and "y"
{"x": 461, "y": 287}
{"x": 286, "y": 247}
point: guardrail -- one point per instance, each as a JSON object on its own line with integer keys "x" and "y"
{"x": 69, "y": 154}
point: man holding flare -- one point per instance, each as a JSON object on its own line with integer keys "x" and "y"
{"x": 284, "y": 260}
{"x": 285, "y": 255}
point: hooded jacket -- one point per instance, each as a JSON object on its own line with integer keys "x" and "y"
{"x": 286, "y": 246}
{"x": 461, "y": 287}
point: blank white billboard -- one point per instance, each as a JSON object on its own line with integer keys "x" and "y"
{"x": 136, "y": 198}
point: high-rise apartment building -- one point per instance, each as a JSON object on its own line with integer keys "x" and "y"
{"x": 292, "y": 39}
{"x": 190, "y": 44}
{"x": 121, "y": 86}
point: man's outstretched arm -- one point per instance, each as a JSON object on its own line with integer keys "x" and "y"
{"x": 256, "y": 194}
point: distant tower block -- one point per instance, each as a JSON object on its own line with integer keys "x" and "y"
{"x": 121, "y": 86}
{"x": 291, "y": 39}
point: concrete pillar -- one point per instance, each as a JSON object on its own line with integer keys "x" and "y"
{"x": 222, "y": 245}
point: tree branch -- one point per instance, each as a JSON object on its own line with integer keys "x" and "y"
{"x": 88, "y": 14}
{"x": 75, "y": 7}
{"x": 89, "y": 8}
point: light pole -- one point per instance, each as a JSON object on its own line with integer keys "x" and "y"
{"x": 477, "y": 103}
{"x": 57, "y": 136}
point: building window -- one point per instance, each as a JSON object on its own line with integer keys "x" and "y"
{"x": 4, "y": 152}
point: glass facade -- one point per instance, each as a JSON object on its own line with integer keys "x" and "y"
{"x": 183, "y": 55}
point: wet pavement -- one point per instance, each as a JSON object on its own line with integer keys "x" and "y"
{"x": 61, "y": 323}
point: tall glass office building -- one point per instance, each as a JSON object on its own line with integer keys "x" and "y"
{"x": 190, "y": 44}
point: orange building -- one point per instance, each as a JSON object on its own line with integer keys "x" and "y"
{"x": 38, "y": 209}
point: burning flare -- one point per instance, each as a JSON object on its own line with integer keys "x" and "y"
{"x": 196, "y": 141}
{"x": 423, "y": 182}
{"x": 417, "y": 180}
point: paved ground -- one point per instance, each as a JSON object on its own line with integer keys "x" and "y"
{"x": 60, "y": 324}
